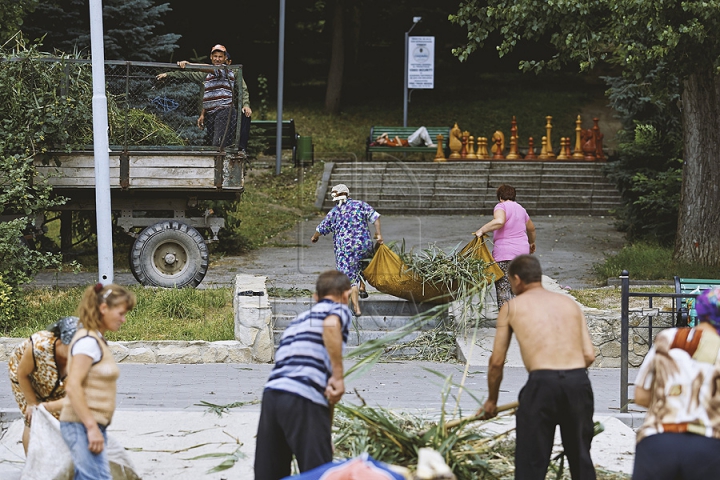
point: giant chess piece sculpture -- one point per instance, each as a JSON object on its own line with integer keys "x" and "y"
{"x": 440, "y": 154}
{"x": 549, "y": 148}
{"x": 589, "y": 145}
{"x": 599, "y": 154}
{"x": 578, "y": 152}
{"x": 455, "y": 143}
{"x": 498, "y": 146}
{"x": 531, "y": 150}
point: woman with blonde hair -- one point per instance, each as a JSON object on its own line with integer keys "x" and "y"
{"x": 92, "y": 379}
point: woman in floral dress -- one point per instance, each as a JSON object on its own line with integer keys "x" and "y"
{"x": 37, "y": 370}
{"x": 348, "y": 222}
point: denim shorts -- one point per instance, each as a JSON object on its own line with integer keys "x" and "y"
{"x": 88, "y": 466}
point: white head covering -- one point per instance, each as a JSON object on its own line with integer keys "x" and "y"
{"x": 340, "y": 193}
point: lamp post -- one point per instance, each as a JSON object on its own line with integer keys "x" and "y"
{"x": 416, "y": 20}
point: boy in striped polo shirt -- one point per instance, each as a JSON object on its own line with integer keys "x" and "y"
{"x": 307, "y": 378}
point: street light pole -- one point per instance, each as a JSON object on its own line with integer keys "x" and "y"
{"x": 416, "y": 20}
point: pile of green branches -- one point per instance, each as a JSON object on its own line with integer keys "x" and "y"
{"x": 471, "y": 451}
{"x": 396, "y": 438}
{"x": 463, "y": 275}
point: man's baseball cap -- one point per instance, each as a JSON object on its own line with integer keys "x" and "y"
{"x": 218, "y": 47}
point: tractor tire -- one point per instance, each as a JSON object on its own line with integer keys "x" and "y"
{"x": 169, "y": 254}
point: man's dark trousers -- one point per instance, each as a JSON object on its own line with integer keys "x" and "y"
{"x": 551, "y": 398}
{"x": 290, "y": 424}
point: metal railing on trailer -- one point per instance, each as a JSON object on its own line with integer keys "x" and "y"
{"x": 652, "y": 319}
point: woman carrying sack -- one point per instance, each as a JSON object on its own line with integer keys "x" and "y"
{"x": 514, "y": 235}
{"x": 37, "y": 368}
{"x": 92, "y": 380}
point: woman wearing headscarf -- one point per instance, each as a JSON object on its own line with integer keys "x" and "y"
{"x": 37, "y": 369}
{"x": 348, "y": 222}
{"x": 679, "y": 383}
{"x": 514, "y": 235}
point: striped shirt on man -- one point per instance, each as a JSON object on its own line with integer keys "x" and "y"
{"x": 302, "y": 364}
{"x": 218, "y": 90}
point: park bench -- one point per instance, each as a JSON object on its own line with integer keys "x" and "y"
{"x": 267, "y": 130}
{"x": 404, "y": 133}
{"x": 691, "y": 286}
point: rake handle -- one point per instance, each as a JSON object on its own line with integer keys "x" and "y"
{"x": 472, "y": 418}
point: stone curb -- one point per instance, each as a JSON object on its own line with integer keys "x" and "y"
{"x": 163, "y": 351}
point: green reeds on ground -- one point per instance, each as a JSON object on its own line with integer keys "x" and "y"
{"x": 160, "y": 314}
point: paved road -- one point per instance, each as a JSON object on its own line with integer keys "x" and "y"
{"x": 401, "y": 385}
{"x": 567, "y": 246}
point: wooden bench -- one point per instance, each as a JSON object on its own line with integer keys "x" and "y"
{"x": 694, "y": 287}
{"x": 267, "y": 129}
{"x": 404, "y": 133}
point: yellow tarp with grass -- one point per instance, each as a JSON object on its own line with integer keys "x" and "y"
{"x": 389, "y": 274}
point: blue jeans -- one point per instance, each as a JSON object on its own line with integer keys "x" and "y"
{"x": 88, "y": 466}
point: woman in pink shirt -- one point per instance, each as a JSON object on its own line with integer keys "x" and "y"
{"x": 514, "y": 235}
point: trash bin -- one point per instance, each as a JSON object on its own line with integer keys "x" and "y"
{"x": 305, "y": 150}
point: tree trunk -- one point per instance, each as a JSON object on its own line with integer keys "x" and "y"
{"x": 698, "y": 233}
{"x": 337, "y": 61}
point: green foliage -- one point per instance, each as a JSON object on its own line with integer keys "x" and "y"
{"x": 648, "y": 172}
{"x": 648, "y": 261}
{"x": 263, "y": 105}
{"x": 8, "y": 304}
{"x": 640, "y": 35}
{"x": 131, "y": 28}
{"x": 12, "y": 13}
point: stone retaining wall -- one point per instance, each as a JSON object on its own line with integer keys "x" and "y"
{"x": 604, "y": 327}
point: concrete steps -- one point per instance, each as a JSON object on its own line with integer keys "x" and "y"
{"x": 544, "y": 188}
{"x": 381, "y": 314}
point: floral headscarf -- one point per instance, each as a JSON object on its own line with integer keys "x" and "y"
{"x": 707, "y": 306}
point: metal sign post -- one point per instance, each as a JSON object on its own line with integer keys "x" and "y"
{"x": 101, "y": 146}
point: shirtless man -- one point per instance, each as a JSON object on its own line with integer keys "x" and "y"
{"x": 556, "y": 349}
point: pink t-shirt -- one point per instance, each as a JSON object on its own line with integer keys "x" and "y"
{"x": 511, "y": 239}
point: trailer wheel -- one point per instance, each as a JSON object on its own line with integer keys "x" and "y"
{"x": 169, "y": 254}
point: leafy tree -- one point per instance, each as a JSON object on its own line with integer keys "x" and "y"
{"x": 637, "y": 36}
{"x": 648, "y": 172}
{"x": 131, "y": 28}
{"x": 35, "y": 117}
{"x": 12, "y": 13}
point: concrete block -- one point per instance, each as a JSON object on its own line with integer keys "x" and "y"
{"x": 140, "y": 355}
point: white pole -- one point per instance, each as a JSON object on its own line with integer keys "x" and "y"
{"x": 101, "y": 146}
{"x": 416, "y": 20}
{"x": 281, "y": 81}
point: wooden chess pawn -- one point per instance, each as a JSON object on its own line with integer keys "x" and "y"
{"x": 578, "y": 153}
{"x": 471, "y": 155}
{"x": 531, "y": 150}
{"x": 543, "y": 150}
{"x": 482, "y": 152}
{"x": 561, "y": 154}
{"x": 498, "y": 149}
{"x": 440, "y": 154}
{"x": 513, "y": 153}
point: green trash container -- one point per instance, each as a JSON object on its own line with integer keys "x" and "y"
{"x": 305, "y": 150}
